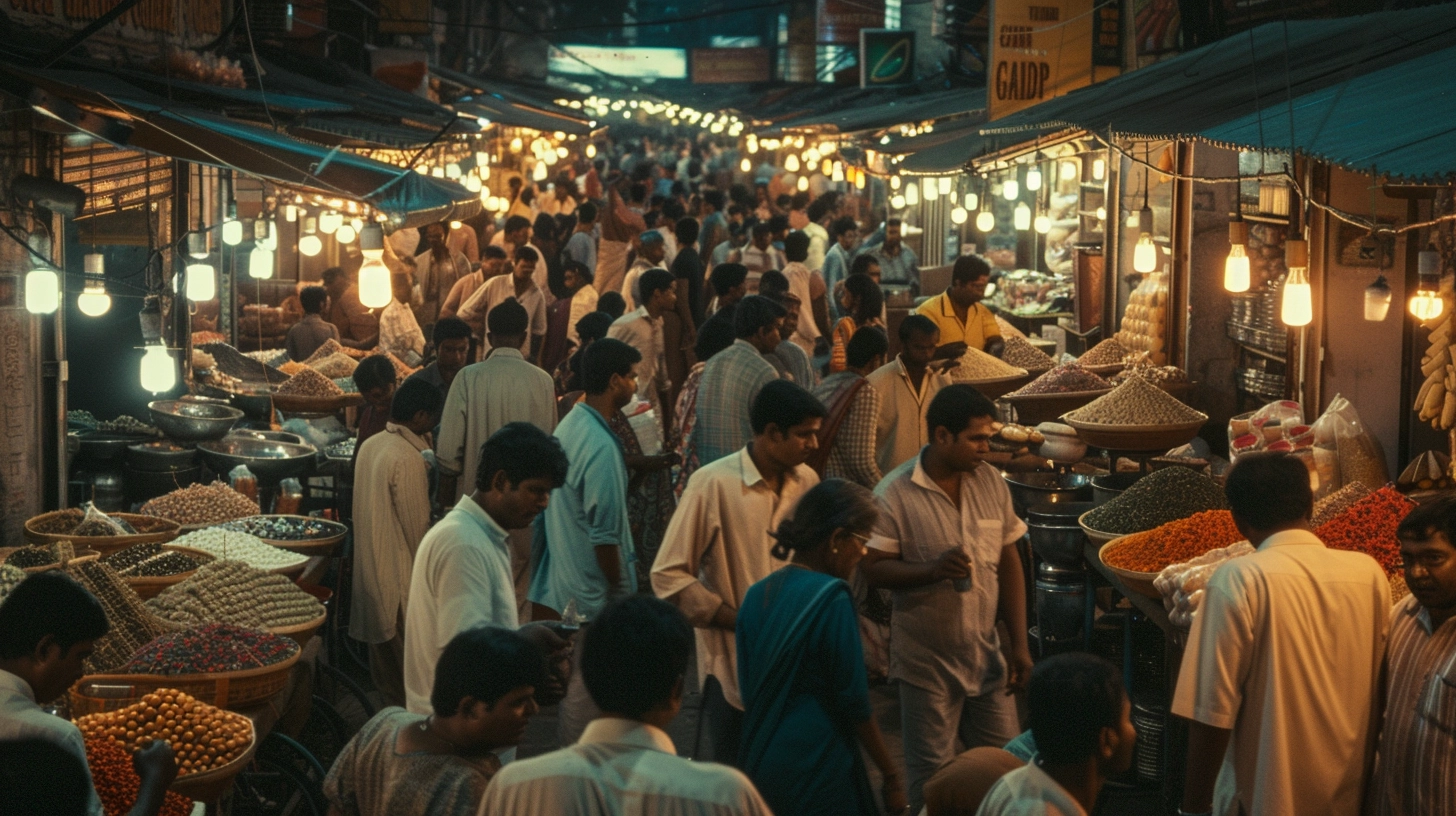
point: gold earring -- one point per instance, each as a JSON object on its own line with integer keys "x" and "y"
{"x": 834, "y": 551}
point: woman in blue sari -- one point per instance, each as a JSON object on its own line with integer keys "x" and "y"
{"x": 801, "y": 667}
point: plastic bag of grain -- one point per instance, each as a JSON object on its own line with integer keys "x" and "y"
{"x": 1345, "y": 450}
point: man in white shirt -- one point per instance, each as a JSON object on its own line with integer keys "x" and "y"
{"x": 634, "y": 662}
{"x": 1081, "y": 720}
{"x": 945, "y": 546}
{"x": 759, "y": 256}
{"x": 493, "y": 263}
{"x": 803, "y": 284}
{"x": 520, "y": 286}
{"x": 718, "y": 543}
{"x": 650, "y": 254}
{"x": 49, "y": 625}
{"x": 906, "y": 386}
{"x": 642, "y": 330}
{"x": 391, "y": 515}
{"x": 462, "y": 572}
{"x": 1281, "y": 675}
{"x": 435, "y": 272}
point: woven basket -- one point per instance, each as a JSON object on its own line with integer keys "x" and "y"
{"x": 1034, "y": 409}
{"x": 209, "y": 786}
{"x": 159, "y": 529}
{"x": 230, "y": 690}
{"x": 301, "y": 632}
{"x": 1139, "y": 582}
{"x": 151, "y": 586}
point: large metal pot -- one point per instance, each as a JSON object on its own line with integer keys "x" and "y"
{"x": 1031, "y": 489}
{"x": 189, "y": 421}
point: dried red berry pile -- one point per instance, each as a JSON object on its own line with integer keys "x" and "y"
{"x": 1369, "y": 527}
{"x": 211, "y": 648}
{"x": 117, "y": 783}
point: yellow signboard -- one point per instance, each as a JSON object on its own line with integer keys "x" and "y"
{"x": 1039, "y": 49}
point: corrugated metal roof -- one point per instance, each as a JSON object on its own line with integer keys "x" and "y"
{"x": 1235, "y": 77}
{"x": 1398, "y": 120}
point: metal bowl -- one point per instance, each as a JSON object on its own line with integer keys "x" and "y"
{"x": 268, "y": 460}
{"x": 1031, "y": 489}
{"x": 267, "y": 436}
{"x": 1058, "y": 545}
{"x": 104, "y": 446}
{"x": 187, "y": 421}
{"x": 161, "y": 456}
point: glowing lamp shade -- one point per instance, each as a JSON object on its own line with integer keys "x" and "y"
{"x": 1033, "y": 179}
{"x": 437, "y": 172}
{"x": 1021, "y": 216}
{"x": 329, "y": 222}
{"x": 93, "y": 300}
{"x": 538, "y": 173}
{"x": 452, "y": 171}
{"x": 345, "y": 234}
{"x": 803, "y": 183}
{"x": 860, "y": 180}
{"x": 516, "y": 145}
{"x": 1426, "y": 305}
{"x": 375, "y": 290}
{"x": 290, "y": 213}
{"x": 1099, "y": 169}
{"x": 826, "y": 167}
{"x": 201, "y": 283}
{"x": 472, "y": 183}
{"x": 894, "y": 182}
{"x": 897, "y": 201}
{"x": 791, "y": 163}
{"x": 42, "y": 291}
{"x": 1011, "y": 190}
{"x": 959, "y": 215}
{"x": 1236, "y": 269}
{"x": 310, "y": 245}
{"x": 930, "y": 188}
{"x": 1377, "y": 300}
{"x": 837, "y": 172}
{"x": 158, "y": 370}
{"x": 591, "y": 151}
{"x": 944, "y": 184}
{"x": 971, "y": 201}
{"x": 232, "y": 232}
{"x": 1042, "y": 224}
{"x": 1069, "y": 170}
{"x": 1297, "y": 306}
{"x": 1145, "y": 254}
{"x": 912, "y": 193}
{"x": 985, "y": 221}
{"x": 260, "y": 263}
{"x": 746, "y": 165}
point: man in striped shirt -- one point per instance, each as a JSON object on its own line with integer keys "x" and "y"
{"x": 733, "y": 378}
{"x": 1416, "y": 769}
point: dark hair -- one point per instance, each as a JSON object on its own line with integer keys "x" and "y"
{"x": 841, "y": 225}
{"x": 713, "y": 339}
{"x": 586, "y": 213}
{"x": 414, "y": 396}
{"x": 760, "y": 228}
{"x": 796, "y": 246}
{"x": 778, "y": 223}
{"x": 524, "y": 452}
{"x": 969, "y": 268}
{"x": 799, "y": 201}
{"x": 48, "y": 603}
{"x": 517, "y": 222}
{"x": 635, "y": 652}
{"x": 753, "y": 314}
{"x": 867, "y": 343}
{"x": 484, "y": 664}
{"x": 783, "y": 404}
{"x": 593, "y": 326}
{"x": 637, "y": 193}
{"x": 1436, "y": 515}
{"x": 862, "y": 263}
{"x": 585, "y": 274}
{"x": 312, "y": 299}
{"x": 1071, "y": 698}
{"x": 603, "y": 359}
{"x": 1268, "y": 490}
{"x": 652, "y": 281}
{"x": 726, "y": 276}
{"x": 374, "y": 371}
{"x": 783, "y": 201}
{"x": 917, "y": 324}
{"x": 892, "y": 222}
{"x": 507, "y": 319}
{"x": 714, "y": 199}
{"x": 831, "y": 505}
{"x": 870, "y": 299}
{"x": 773, "y": 283}
{"x": 493, "y": 252}
{"x": 545, "y": 226}
{"x": 526, "y": 252}
{"x": 953, "y": 408}
{"x": 673, "y": 210}
{"x": 686, "y": 231}
{"x": 331, "y": 274}
{"x": 449, "y": 328}
{"x": 612, "y": 303}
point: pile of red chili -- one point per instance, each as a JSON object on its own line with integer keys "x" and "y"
{"x": 117, "y": 783}
{"x": 1369, "y": 527}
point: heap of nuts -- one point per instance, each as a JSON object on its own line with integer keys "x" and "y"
{"x": 1068, "y": 378}
{"x": 151, "y": 560}
{"x": 202, "y": 736}
{"x": 978, "y": 366}
{"x": 233, "y": 592}
{"x": 1020, "y": 352}
{"x": 61, "y": 522}
{"x": 41, "y": 555}
{"x": 116, "y": 781}
{"x": 335, "y": 366}
{"x": 202, "y": 504}
{"x": 309, "y": 383}
{"x": 1136, "y": 402}
{"x": 132, "y": 624}
{"x": 1108, "y": 352}
{"x": 236, "y": 546}
{"x": 210, "y": 649}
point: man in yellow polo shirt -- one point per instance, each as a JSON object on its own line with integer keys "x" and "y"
{"x": 958, "y": 313}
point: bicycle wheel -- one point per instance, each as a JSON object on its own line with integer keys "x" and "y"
{"x": 273, "y": 788}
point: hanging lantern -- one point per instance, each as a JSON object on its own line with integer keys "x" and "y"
{"x": 345, "y": 234}
{"x": 985, "y": 221}
{"x": 837, "y": 172}
{"x": 260, "y": 263}
{"x": 1042, "y": 224}
{"x": 452, "y": 171}
{"x": 232, "y": 231}
{"x": 1236, "y": 265}
{"x": 1145, "y": 254}
{"x": 1101, "y": 213}
{"x": 1069, "y": 170}
{"x": 1297, "y": 305}
{"x": 803, "y": 184}
{"x": 42, "y": 290}
{"x": 290, "y": 213}
{"x": 1033, "y": 179}
{"x": 1099, "y": 168}
{"x": 308, "y": 243}
{"x": 912, "y": 193}
{"x": 1010, "y": 189}
{"x": 158, "y": 369}
{"x": 1427, "y": 304}
{"x": 746, "y": 165}
{"x": 930, "y": 188}
{"x": 201, "y": 282}
{"x": 437, "y": 172}
{"x": 329, "y": 222}
{"x": 375, "y": 287}
{"x": 1377, "y": 300}
{"x": 265, "y": 234}
{"x": 860, "y": 180}
{"x": 959, "y": 215}
{"x": 482, "y": 158}
{"x": 791, "y": 163}
{"x": 944, "y": 184}
{"x": 472, "y": 183}
{"x": 894, "y": 182}
{"x": 538, "y": 173}
{"x": 971, "y": 201}
{"x": 1021, "y": 216}
{"x": 826, "y": 167}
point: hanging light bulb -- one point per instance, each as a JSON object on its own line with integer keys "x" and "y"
{"x": 826, "y": 167}
{"x": 971, "y": 201}
{"x": 437, "y": 172}
{"x": 290, "y": 213}
{"x": 201, "y": 282}
{"x": 232, "y": 228}
{"x": 538, "y": 173}
{"x": 860, "y": 180}
{"x": 1042, "y": 224}
{"x": 746, "y": 165}
{"x": 1033, "y": 179}
{"x": 309, "y": 243}
{"x": 811, "y": 156}
{"x": 371, "y": 241}
{"x": 1426, "y": 304}
{"x": 1145, "y": 254}
{"x": 894, "y": 182}
{"x": 42, "y": 290}
{"x": 516, "y": 145}
{"x": 791, "y": 163}
{"x": 260, "y": 263}
{"x": 452, "y": 171}
{"x": 1069, "y": 170}
{"x": 930, "y": 188}
{"x": 897, "y": 201}
{"x": 1297, "y": 306}
{"x": 482, "y": 158}
{"x": 472, "y": 183}
{"x": 1101, "y": 213}
{"x": 1099, "y": 168}
{"x": 837, "y": 173}
{"x": 345, "y": 234}
{"x": 1236, "y": 266}
{"x": 375, "y": 288}
{"x": 329, "y": 222}
{"x": 1377, "y": 300}
{"x": 93, "y": 300}
{"x": 484, "y": 172}
{"x": 944, "y": 184}
{"x": 985, "y": 221}
{"x": 803, "y": 184}
{"x": 912, "y": 193}
{"x": 1021, "y": 216}
{"x": 1010, "y": 189}
{"x": 265, "y": 234}
{"x": 959, "y": 215}
{"x": 591, "y": 151}
{"x": 158, "y": 369}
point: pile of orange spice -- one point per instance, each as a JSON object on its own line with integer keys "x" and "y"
{"x": 1174, "y": 542}
{"x": 1369, "y": 527}
{"x": 117, "y": 783}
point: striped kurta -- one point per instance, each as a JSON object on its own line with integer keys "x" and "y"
{"x": 1416, "y": 770}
